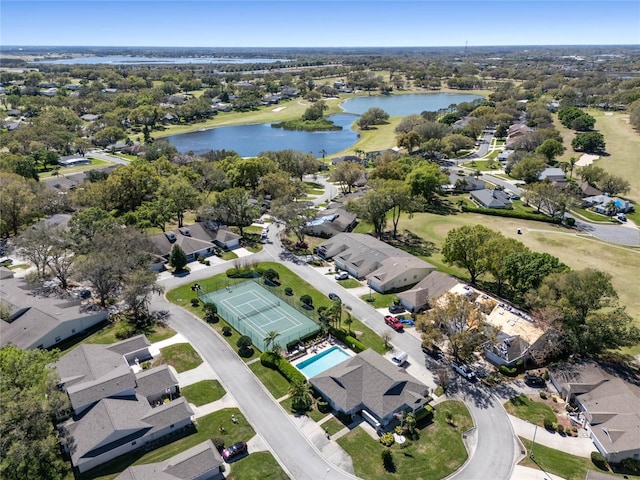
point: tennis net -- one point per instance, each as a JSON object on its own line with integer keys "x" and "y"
{"x": 256, "y": 311}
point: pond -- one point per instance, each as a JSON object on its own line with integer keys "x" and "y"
{"x": 250, "y": 140}
{"x": 403, "y": 105}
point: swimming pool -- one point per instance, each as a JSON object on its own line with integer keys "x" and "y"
{"x": 322, "y": 361}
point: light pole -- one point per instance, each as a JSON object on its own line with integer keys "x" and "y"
{"x": 533, "y": 442}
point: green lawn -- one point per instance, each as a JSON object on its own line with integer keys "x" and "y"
{"x": 380, "y": 300}
{"x": 106, "y": 335}
{"x": 228, "y": 255}
{"x": 349, "y": 283}
{"x": 257, "y": 466}
{"x": 533, "y": 412}
{"x": 203, "y": 392}
{"x": 181, "y": 356}
{"x": 483, "y": 165}
{"x": 95, "y": 163}
{"x": 438, "y": 452}
{"x": 559, "y": 463}
{"x": 593, "y": 216}
{"x": 207, "y": 427}
{"x": 277, "y": 385}
{"x": 333, "y": 426}
{"x": 314, "y": 414}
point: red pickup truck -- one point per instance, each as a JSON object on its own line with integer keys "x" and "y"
{"x": 393, "y": 322}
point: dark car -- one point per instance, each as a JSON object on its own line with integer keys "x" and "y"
{"x": 434, "y": 352}
{"x": 234, "y": 450}
{"x": 333, "y": 296}
{"x": 396, "y": 309}
{"x": 393, "y": 322}
{"x": 534, "y": 380}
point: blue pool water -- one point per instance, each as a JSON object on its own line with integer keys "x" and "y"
{"x": 322, "y": 361}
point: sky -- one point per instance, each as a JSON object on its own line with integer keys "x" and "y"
{"x": 327, "y": 23}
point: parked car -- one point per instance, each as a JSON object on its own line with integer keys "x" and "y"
{"x": 465, "y": 370}
{"x": 393, "y": 322}
{"x": 534, "y": 380}
{"x": 234, "y": 450}
{"x": 342, "y": 276}
{"x": 333, "y": 296}
{"x": 396, "y": 309}
{"x": 399, "y": 358}
{"x": 434, "y": 352}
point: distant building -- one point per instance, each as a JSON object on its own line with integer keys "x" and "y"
{"x": 488, "y": 198}
{"x": 330, "y": 222}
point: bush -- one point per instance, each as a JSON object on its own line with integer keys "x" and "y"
{"x": 425, "y": 413}
{"x": 630, "y": 465}
{"x": 271, "y": 275}
{"x": 124, "y": 330}
{"x": 570, "y": 221}
{"x": 548, "y": 424}
{"x": 512, "y": 214}
{"x": 387, "y": 440}
{"x": 387, "y": 460}
{"x": 218, "y": 443}
{"x": 543, "y": 395}
{"x": 226, "y": 330}
{"x": 508, "y": 371}
{"x": 323, "y": 406}
{"x": 352, "y": 342}
{"x": 560, "y": 429}
{"x": 195, "y": 302}
{"x": 599, "y": 461}
{"x": 306, "y": 300}
{"x": 288, "y": 371}
{"x": 288, "y": 291}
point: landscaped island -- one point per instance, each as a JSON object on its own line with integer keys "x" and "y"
{"x": 311, "y": 121}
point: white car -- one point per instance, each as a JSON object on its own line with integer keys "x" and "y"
{"x": 399, "y": 358}
{"x": 465, "y": 371}
{"x": 342, "y": 276}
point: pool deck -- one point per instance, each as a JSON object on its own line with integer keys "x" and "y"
{"x": 299, "y": 356}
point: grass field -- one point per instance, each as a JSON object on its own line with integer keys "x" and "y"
{"x": 577, "y": 252}
{"x": 203, "y": 392}
{"x": 438, "y": 452}
{"x": 533, "y": 412}
{"x": 181, "y": 356}
{"x": 257, "y": 466}
{"x": 95, "y": 163}
{"x": 273, "y": 380}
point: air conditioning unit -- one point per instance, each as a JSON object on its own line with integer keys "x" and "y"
{"x": 170, "y": 236}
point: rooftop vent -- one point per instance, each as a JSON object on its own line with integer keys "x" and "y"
{"x": 170, "y": 236}
{"x": 185, "y": 232}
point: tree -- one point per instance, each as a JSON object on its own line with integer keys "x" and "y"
{"x": 426, "y": 179}
{"x": 36, "y": 245}
{"x": 550, "y": 149}
{"x": 634, "y": 114}
{"x": 87, "y": 224}
{"x": 156, "y": 213}
{"x": 244, "y": 345}
{"x": 181, "y": 194}
{"x": 347, "y": 175}
{"x": 458, "y": 319}
{"x": 528, "y": 169}
{"x": 590, "y": 142}
{"x": 295, "y": 216}
{"x": 432, "y": 148}
{"x": 138, "y": 287}
{"x": 233, "y": 206}
{"x": 372, "y": 207}
{"x": 592, "y": 174}
{"x": 178, "y": 258}
{"x": 373, "y": 116}
{"x": 496, "y": 250}
{"x": 270, "y": 339}
{"x": 315, "y": 111}
{"x": 409, "y": 140}
{"x": 61, "y": 257}
{"x": 463, "y": 247}
{"x": 31, "y": 402}
{"x": 210, "y": 312}
{"x": 456, "y": 142}
{"x": 525, "y": 270}
{"x": 17, "y": 200}
{"x": 613, "y": 185}
{"x": 400, "y": 199}
{"x": 300, "y": 392}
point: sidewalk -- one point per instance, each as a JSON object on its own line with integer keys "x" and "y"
{"x": 580, "y": 446}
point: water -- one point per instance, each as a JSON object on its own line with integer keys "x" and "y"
{"x": 403, "y": 105}
{"x": 322, "y": 361}
{"x": 141, "y": 60}
{"x": 250, "y": 140}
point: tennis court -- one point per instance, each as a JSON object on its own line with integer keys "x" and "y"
{"x": 254, "y": 311}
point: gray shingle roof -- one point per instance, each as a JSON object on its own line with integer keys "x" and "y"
{"x": 370, "y": 381}
{"x": 87, "y": 362}
{"x": 129, "y": 345}
{"x": 111, "y": 384}
{"x": 155, "y": 381}
{"x": 430, "y": 288}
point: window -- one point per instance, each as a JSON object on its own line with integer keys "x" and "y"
{"x": 57, "y": 339}
{"x": 133, "y": 443}
{"x": 73, "y": 330}
{"x": 171, "y": 426}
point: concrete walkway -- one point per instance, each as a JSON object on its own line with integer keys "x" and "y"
{"x": 225, "y": 402}
{"x": 581, "y": 446}
{"x": 155, "y": 347}
{"x": 198, "y": 374}
{"x": 527, "y": 473}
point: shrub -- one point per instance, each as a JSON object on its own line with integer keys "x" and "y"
{"x": 218, "y": 443}
{"x": 124, "y": 330}
{"x": 425, "y": 413}
{"x": 387, "y": 460}
{"x": 288, "y": 291}
{"x": 560, "y": 429}
{"x": 543, "y": 395}
{"x": 630, "y": 465}
{"x": 387, "y": 439}
{"x": 599, "y": 461}
{"x": 288, "y": 371}
{"x": 508, "y": 371}
{"x": 570, "y": 221}
{"x": 271, "y": 275}
{"x": 548, "y": 424}
{"x": 306, "y": 300}
{"x": 352, "y": 342}
{"x": 195, "y": 302}
{"x": 323, "y": 406}
{"x": 512, "y": 214}
{"x": 545, "y": 375}
{"x": 226, "y": 330}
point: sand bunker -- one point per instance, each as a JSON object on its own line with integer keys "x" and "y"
{"x": 277, "y": 109}
{"x": 586, "y": 159}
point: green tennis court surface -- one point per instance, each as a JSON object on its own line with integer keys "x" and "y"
{"x": 255, "y": 311}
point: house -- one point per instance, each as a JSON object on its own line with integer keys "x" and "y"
{"x": 601, "y": 204}
{"x": 609, "y": 406}
{"x": 348, "y": 158}
{"x": 196, "y": 240}
{"x": 331, "y": 222}
{"x": 426, "y": 291}
{"x": 516, "y": 131}
{"x": 488, "y": 198}
{"x": 370, "y": 385}
{"x": 73, "y": 160}
{"x": 49, "y": 92}
{"x": 201, "y": 462}
{"x": 504, "y": 155}
{"x": 552, "y": 174}
{"x": 42, "y": 322}
{"x": 464, "y": 183}
{"x": 114, "y": 409}
{"x": 386, "y": 268}
{"x": 589, "y": 191}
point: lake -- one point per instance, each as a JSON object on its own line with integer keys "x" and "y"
{"x": 249, "y": 140}
{"x": 134, "y": 60}
{"x": 403, "y": 105}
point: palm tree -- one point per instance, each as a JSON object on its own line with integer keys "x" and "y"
{"x": 348, "y": 321}
{"x": 572, "y": 163}
{"x": 334, "y": 312}
{"x": 300, "y": 392}
{"x": 323, "y": 152}
{"x": 270, "y": 339}
{"x": 409, "y": 419}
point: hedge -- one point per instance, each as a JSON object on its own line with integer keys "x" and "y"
{"x": 288, "y": 371}
{"x": 353, "y": 343}
{"x": 599, "y": 461}
{"x": 508, "y": 371}
{"x": 512, "y": 214}
{"x": 424, "y": 413}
